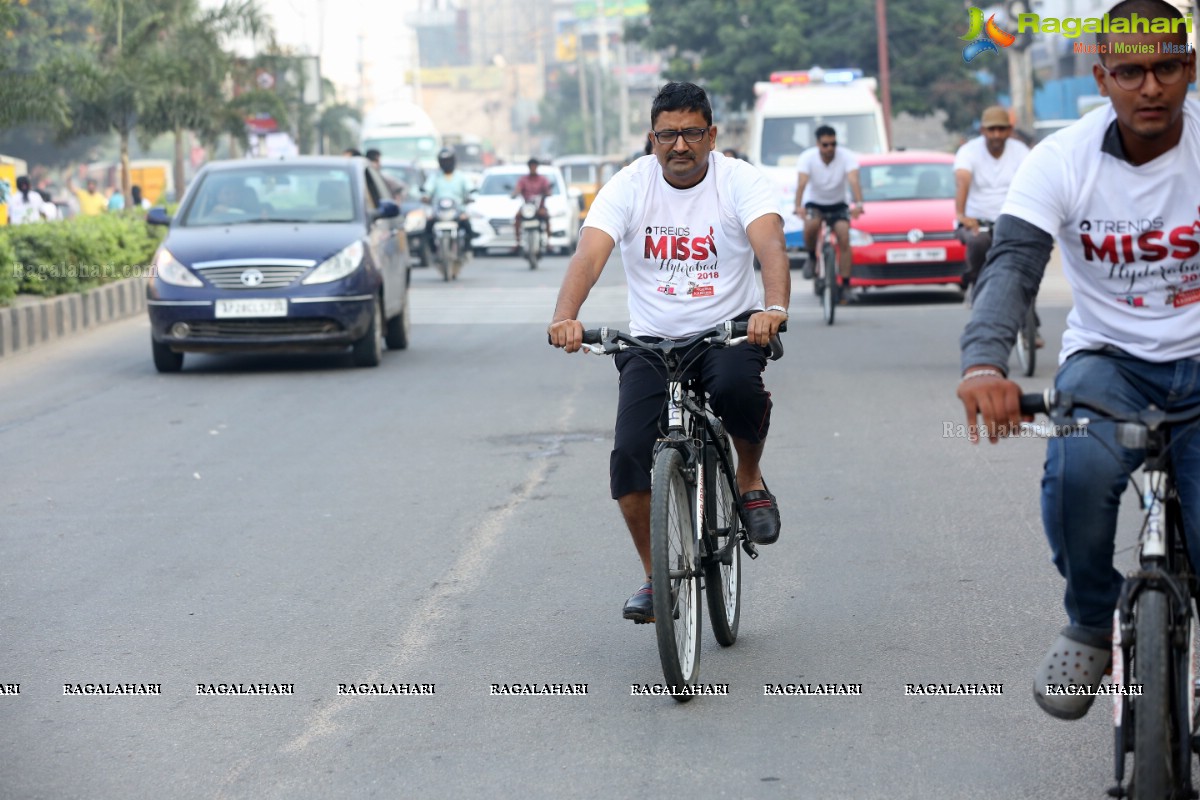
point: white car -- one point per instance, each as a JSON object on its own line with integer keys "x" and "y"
{"x": 494, "y": 209}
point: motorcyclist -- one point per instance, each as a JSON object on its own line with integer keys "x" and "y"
{"x": 533, "y": 188}
{"x": 451, "y": 184}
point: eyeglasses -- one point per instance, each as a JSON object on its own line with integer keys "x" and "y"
{"x": 825, "y": 145}
{"x": 1130, "y": 77}
{"x": 998, "y": 128}
{"x": 690, "y": 135}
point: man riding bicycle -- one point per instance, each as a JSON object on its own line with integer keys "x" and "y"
{"x": 689, "y": 222}
{"x": 983, "y": 170}
{"x": 1118, "y": 190}
{"x": 824, "y": 173}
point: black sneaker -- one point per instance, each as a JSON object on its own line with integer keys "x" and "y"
{"x": 640, "y": 607}
{"x": 807, "y": 270}
{"x": 762, "y": 516}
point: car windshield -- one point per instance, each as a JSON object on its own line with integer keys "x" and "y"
{"x": 785, "y": 138}
{"x": 505, "y": 183}
{"x": 272, "y": 193}
{"x": 914, "y": 181}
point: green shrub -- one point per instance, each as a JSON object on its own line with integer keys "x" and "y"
{"x": 8, "y": 273}
{"x": 52, "y": 258}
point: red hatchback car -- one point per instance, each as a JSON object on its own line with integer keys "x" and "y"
{"x": 906, "y": 232}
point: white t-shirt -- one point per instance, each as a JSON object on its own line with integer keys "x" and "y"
{"x": 1130, "y": 237}
{"x": 826, "y": 182}
{"x": 990, "y": 177}
{"x": 688, "y": 260}
{"x": 21, "y": 212}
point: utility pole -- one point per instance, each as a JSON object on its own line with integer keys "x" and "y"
{"x": 885, "y": 80}
{"x": 601, "y": 72}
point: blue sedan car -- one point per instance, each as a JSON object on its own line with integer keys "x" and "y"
{"x": 294, "y": 254}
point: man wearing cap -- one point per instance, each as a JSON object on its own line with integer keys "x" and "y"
{"x": 983, "y": 170}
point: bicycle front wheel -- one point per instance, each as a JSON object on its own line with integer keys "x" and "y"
{"x": 1153, "y": 729}
{"x": 1027, "y": 343}
{"x": 673, "y": 571}
{"x": 723, "y": 581}
{"x": 829, "y": 297}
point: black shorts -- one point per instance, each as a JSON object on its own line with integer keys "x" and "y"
{"x": 831, "y": 213}
{"x": 731, "y": 376}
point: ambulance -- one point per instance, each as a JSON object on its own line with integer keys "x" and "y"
{"x": 790, "y": 107}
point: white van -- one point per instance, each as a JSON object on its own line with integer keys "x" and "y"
{"x": 402, "y": 131}
{"x": 787, "y": 112}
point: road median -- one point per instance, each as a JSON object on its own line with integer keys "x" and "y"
{"x": 32, "y": 322}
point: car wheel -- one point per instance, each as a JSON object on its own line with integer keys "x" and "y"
{"x": 166, "y": 359}
{"x": 368, "y": 351}
{"x": 398, "y": 327}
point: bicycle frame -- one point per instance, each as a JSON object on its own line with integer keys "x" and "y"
{"x": 700, "y": 446}
{"x": 1164, "y": 568}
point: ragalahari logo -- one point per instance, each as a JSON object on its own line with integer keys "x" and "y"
{"x": 992, "y": 36}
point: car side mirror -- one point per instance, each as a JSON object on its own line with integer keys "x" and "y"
{"x": 158, "y": 216}
{"x": 387, "y": 210}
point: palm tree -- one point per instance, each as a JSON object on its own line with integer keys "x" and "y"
{"x": 192, "y": 73}
{"x": 158, "y": 66}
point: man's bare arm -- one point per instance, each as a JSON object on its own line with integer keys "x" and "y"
{"x": 962, "y": 187}
{"x": 766, "y": 238}
{"x": 595, "y": 246}
{"x": 801, "y": 182}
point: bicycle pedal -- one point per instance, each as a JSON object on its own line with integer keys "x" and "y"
{"x": 750, "y": 548}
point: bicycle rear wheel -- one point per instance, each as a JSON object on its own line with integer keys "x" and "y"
{"x": 1027, "y": 343}
{"x": 1153, "y": 728}
{"x": 723, "y": 582}
{"x": 673, "y": 572}
{"x": 829, "y": 296}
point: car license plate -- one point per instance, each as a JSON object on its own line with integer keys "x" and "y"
{"x": 256, "y": 307}
{"x": 916, "y": 254}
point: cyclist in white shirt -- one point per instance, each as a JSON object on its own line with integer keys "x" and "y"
{"x": 825, "y": 172}
{"x": 689, "y": 222}
{"x": 1118, "y": 189}
{"x": 984, "y": 168}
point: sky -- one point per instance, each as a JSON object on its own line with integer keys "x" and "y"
{"x": 331, "y": 29}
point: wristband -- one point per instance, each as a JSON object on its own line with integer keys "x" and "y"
{"x": 982, "y": 373}
{"x": 780, "y": 309}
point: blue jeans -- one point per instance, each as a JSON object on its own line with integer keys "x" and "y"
{"x": 1082, "y": 486}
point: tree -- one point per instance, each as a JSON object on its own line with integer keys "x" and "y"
{"x": 733, "y": 43}
{"x": 191, "y": 68}
{"x": 32, "y": 108}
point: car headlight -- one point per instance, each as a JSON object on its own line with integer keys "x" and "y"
{"x": 860, "y": 238}
{"x": 338, "y": 266}
{"x": 414, "y": 221}
{"x": 169, "y": 270}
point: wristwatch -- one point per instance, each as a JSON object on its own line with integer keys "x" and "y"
{"x": 780, "y": 309}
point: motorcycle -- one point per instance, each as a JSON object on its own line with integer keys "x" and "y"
{"x": 531, "y": 234}
{"x": 451, "y": 250}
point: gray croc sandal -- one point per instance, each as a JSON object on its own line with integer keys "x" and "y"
{"x": 1079, "y": 658}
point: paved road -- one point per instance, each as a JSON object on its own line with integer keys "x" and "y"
{"x": 444, "y": 520}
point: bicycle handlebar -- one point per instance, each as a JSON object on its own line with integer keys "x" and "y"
{"x": 1055, "y": 403}
{"x": 607, "y": 341}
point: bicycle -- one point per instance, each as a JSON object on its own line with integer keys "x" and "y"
{"x": 825, "y": 265}
{"x": 697, "y": 520}
{"x": 1026, "y": 345}
{"x": 1153, "y": 630}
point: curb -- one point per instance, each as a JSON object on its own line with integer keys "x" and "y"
{"x": 26, "y": 326}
